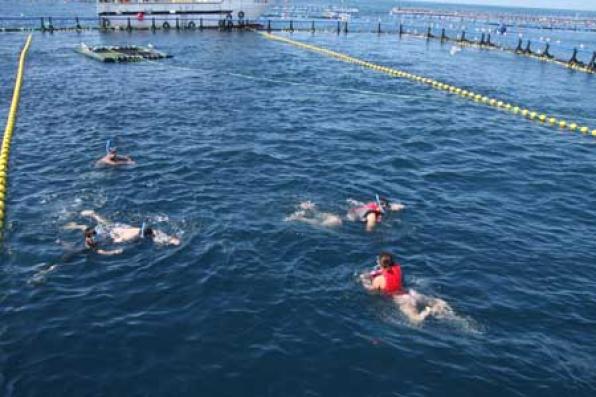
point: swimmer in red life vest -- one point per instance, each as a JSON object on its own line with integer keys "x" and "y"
{"x": 372, "y": 213}
{"x": 113, "y": 158}
{"x": 387, "y": 279}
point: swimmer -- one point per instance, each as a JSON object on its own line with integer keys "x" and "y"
{"x": 372, "y": 213}
{"x": 387, "y": 279}
{"x": 308, "y": 213}
{"x": 113, "y": 158}
{"x": 118, "y": 233}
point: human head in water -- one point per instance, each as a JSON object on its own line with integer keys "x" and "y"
{"x": 89, "y": 235}
{"x": 385, "y": 259}
{"x": 148, "y": 232}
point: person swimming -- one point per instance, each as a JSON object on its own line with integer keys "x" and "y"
{"x": 112, "y": 157}
{"x": 106, "y": 232}
{"x": 307, "y": 212}
{"x": 387, "y": 279}
{"x": 372, "y": 212}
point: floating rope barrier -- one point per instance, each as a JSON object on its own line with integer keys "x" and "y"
{"x": 8, "y": 131}
{"x": 438, "y": 85}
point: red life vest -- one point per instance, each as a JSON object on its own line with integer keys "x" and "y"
{"x": 363, "y": 211}
{"x": 393, "y": 280}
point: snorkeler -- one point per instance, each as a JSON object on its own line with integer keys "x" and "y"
{"x": 308, "y": 213}
{"x": 106, "y": 232}
{"x": 113, "y": 158}
{"x": 372, "y": 213}
{"x": 388, "y": 279}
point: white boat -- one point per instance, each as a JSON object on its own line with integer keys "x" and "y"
{"x": 168, "y": 14}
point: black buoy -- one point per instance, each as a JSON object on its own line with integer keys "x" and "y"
{"x": 574, "y": 60}
{"x": 546, "y": 53}
{"x": 592, "y": 64}
{"x": 401, "y": 29}
{"x": 379, "y": 31}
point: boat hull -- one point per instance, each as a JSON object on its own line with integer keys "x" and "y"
{"x": 170, "y": 14}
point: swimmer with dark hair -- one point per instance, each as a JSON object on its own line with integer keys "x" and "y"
{"x": 112, "y": 158}
{"x": 106, "y": 232}
{"x": 387, "y": 279}
{"x": 372, "y": 213}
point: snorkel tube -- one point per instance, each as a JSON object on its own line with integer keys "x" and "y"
{"x": 108, "y": 146}
{"x": 143, "y": 230}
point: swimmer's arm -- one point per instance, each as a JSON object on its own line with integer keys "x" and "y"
{"x": 371, "y": 284}
{"x": 396, "y": 207}
{"x": 371, "y": 221}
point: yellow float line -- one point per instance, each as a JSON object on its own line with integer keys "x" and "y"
{"x": 470, "y": 95}
{"x": 10, "y": 122}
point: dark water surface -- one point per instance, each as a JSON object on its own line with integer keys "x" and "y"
{"x": 230, "y": 135}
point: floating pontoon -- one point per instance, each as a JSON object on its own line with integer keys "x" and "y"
{"x": 131, "y": 53}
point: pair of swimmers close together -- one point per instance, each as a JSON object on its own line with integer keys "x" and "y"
{"x": 387, "y": 277}
{"x": 106, "y": 232}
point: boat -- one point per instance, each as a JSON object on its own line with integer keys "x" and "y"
{"x": 186, "y": 14}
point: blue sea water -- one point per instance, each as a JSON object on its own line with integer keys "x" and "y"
{"x": 229, "y": 136}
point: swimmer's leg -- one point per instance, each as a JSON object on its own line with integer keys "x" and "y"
{"x": 296, "y": 216}
{"x": 408, "y": 305}
{"x": 409, "y": 308}
{"x": 330, "y": 220}
{"x": 440, "y": 308}
{"x": 93, "y": 215}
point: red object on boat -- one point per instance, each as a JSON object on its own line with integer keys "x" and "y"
{"x": 140, "y": 16}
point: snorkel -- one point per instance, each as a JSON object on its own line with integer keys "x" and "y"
{"x": 143, "y": 230}
{"x": 108, "y": 146}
